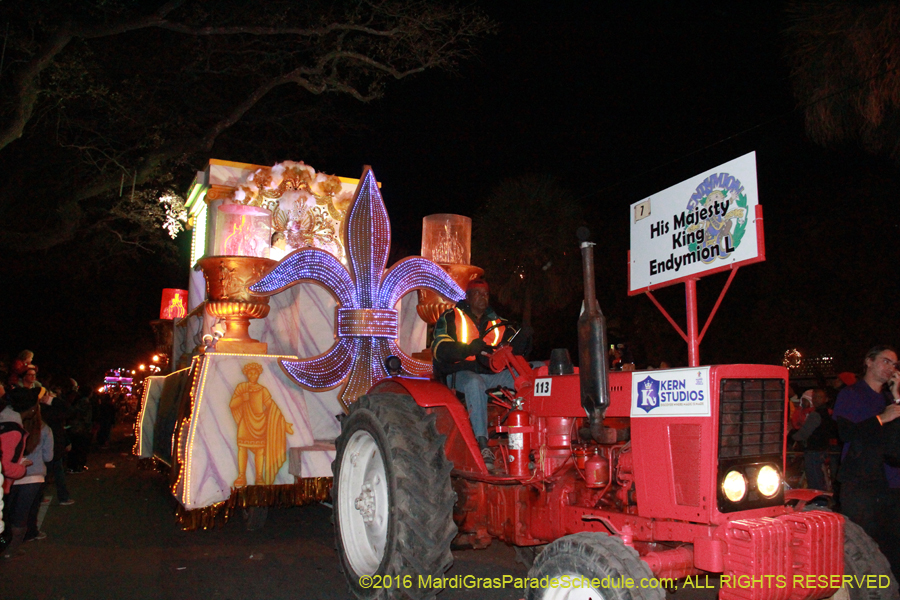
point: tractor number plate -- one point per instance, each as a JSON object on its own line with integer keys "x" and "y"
{"x": 542, "y": 387}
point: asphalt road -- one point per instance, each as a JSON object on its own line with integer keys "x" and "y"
{"x": 120, "y": 541}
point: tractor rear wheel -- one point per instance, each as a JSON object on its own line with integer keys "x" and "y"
{"x": 393, "y": 502}
{"x": 591, "y": 556}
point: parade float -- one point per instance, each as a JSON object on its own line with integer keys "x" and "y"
{"x": 289, "y": 315}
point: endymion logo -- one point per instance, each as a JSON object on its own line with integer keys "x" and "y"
{"x": 723, "y": 203}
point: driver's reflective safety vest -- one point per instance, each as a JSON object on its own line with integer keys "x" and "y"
{"x": 467, "y": 331}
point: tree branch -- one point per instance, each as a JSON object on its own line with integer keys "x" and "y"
{"x": 26, "y": 89}
{"x": 195, "y": 79}
{"x": 26, "y": 86}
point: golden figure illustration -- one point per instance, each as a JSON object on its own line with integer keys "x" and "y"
{"x": 261, "y": 428}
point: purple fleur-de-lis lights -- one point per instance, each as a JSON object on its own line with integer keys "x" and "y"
{"x": 366, "y": 322}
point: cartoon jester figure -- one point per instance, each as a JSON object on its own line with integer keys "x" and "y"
{"x": 261, "y": 428}
{"x": 718, "y": 227}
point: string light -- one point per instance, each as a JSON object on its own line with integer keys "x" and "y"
{"x": 367, "y": 323}
{"x": 309, "y": 264}
{"x": 138, "y": 424}
{"x": 361, "y": 322}
{"x": 179, "y": 446}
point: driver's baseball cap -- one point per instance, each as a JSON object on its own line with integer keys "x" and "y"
{"x": 478, "y": 283}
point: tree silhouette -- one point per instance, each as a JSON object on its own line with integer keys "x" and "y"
{"x": 102, "y": 97}
{"x": 524, "y": 239}
{"x": 845, "y": 71}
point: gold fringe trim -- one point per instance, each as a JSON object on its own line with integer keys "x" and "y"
{"x": 308, "y": 490}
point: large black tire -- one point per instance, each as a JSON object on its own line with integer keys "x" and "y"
{"x": 393, "y": 501}
{"x": 592, "y": 555}
{"x": 525, "y": 555}
{"x": 862, "y": 557}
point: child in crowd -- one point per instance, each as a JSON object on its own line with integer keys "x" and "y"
{"x": 25, "y": 492}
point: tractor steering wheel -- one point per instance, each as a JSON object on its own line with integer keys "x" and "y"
{"x": 508, "y": 325}
{"x": 487, "y": 360}
{"x": 499, "y": 358}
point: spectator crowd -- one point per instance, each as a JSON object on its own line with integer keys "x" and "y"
{"x": 46, "y": 431}
{"x": 845, "y": 433}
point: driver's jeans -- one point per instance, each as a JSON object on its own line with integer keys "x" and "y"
{"x": 474, "y": 385}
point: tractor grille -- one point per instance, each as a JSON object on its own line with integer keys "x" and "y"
{"x": 765, "y": 558}
{"x": 752, "y": 417}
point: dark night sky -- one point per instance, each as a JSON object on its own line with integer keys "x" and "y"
{"x": 618, "y": 101}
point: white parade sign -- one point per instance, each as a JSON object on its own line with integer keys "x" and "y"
{"x": 704, "y": 224}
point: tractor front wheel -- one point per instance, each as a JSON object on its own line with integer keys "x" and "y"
{"x": 393, "y": 502}
{"x": 579, "y": 563}
{"x": 863, "y": 558}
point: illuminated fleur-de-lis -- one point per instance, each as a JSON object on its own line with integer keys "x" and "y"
{"x": 366, "y": 323}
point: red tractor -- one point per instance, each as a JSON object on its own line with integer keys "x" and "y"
{"x": 648, "y": 476}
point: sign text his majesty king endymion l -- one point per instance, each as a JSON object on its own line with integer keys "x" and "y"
{"x": 703, "y": 224}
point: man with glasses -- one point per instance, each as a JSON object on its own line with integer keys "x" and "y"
{"x": 866, "y": 413}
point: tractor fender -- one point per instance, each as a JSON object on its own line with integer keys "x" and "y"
{"x": 452, "y": 418}
{"x": 803, "y": 496}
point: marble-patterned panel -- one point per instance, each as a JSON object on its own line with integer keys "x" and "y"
{"x": 315, "y": 462}
{"x": 300, "y": 321}
{"x": 196, "y": 289}
{"x": 189, "y": 333}
{"x": 323, "y": 409}
{"x": 300, "y": 324}
{"x": 413, "y": 330}
{"x": 211, "y": 463}
{"x": 147, "y": 418}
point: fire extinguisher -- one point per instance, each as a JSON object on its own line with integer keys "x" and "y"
{"x": 519, "y": 440}
{"x": 596, "y": 470}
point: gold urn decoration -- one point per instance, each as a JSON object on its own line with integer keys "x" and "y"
{"x": 228, "y": 279}
{"x": 446, "y": 240}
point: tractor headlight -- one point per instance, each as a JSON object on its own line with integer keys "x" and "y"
{"x": 734, "y": 486}
{"x": 768, "y": 481}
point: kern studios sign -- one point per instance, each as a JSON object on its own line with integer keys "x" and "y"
{"x": 705, "y": 224}
{"x": 670, "y": 393}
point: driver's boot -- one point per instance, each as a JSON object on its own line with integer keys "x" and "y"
{"x": 486, "y": 453}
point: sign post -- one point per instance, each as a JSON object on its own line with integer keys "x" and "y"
{"x": 709, "y": 223}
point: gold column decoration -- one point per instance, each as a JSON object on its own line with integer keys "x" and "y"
{"x": 227, "y": 280}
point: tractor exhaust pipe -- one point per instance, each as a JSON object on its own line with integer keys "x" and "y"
{"x": 592, "y": 361}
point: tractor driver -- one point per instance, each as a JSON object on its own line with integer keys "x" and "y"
{"x": 463, "y": 338}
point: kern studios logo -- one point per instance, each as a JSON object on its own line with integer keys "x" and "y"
{"x": 648, "y": 394}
